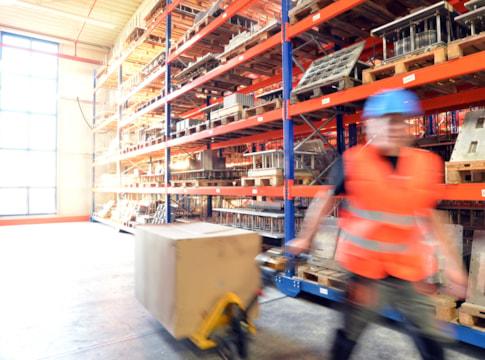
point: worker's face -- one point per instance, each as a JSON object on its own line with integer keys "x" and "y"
{"x": 388, "y": 133}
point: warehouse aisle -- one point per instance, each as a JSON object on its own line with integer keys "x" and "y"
{"x": 67, "y": 293}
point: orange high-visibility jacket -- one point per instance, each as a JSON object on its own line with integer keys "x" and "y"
{"x": 385, "y": 208}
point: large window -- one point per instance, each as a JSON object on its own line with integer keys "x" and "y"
{"x": 28, "y": 125}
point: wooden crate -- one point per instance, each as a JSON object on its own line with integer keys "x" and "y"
{"x": 402, "y": 65}
{"x": 460, "y": 172}
{"x": 467, "y": 46}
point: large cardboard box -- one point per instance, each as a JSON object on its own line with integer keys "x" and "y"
{"x": 182, "y": 270}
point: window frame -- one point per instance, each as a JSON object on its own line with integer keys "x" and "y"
{"x": 30, "y": 115}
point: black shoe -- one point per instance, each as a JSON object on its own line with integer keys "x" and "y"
{"x": 342, "y": 346}
{"x": 429, "y": 349}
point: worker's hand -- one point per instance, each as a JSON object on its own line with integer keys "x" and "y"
{"x": 298, "y": 246}
{"x": 456, "y": 282}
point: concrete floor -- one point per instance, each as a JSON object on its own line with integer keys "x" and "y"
{"x": 67, "y": 293}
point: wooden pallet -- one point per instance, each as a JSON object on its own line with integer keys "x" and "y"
{"x": 320, "y": 90}
{"x": 307, "y": 8}
{"x": 269, "y": 180}
{"x": 262, "y": 108}
{"x": 467, "y": 46}
{"x": 405, "y": 64}
{"x": 201, "y": 182}
{"x": 460, "y": 172}
{"x": 226, "y": 119}
{"x": 323, "y": 276}
{"x": 277, "y": 263}
{"x": 472, "y": 315}
{"x": 445, "y": 308}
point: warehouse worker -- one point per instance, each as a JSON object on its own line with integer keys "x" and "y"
{"x": 387, "y": 226}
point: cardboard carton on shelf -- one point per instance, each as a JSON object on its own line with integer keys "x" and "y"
{"x": 182, "y": 270}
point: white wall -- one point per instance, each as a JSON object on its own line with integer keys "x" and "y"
{"x": 74, "y": 136}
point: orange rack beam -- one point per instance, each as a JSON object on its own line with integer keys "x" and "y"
{"x": 454, "y": 68}
{"x": 472, "y": 192}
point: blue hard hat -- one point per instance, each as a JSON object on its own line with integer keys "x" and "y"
{"x": 393, "y": 101}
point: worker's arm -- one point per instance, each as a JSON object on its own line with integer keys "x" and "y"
{"x": 454, "y": 270}
{"x": 319, "y": 208}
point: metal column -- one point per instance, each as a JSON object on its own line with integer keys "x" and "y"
{"x": 288, "y": 133}
{"x": 454, "y": 122}
{"x": 168, "y": 112}
{"x": 118, "y": 129}
{"x": 352, "y": 134}
{"x": 430, "y": 125}
{"x": 340, "y": 130}
{"x": 93, "y": 175}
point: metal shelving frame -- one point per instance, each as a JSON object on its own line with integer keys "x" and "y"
{"x": 287, "y": 282}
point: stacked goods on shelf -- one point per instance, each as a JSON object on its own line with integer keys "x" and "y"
{"x": 206, "y": 169}
{"x": 214, "y": 41}
{"x": 247, "y": 39}
{"x": 472, "y": 312}
{"x": 264, "y": 217}
{"x": 475, "y": 23}
{"x": 232, "y": 110}
{"x": 267, "y": 168}
{"x": 334, "y": 72}
{"x": 419, "y": 39}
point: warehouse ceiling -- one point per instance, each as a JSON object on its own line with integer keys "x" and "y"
{"x": 95, "y": 22}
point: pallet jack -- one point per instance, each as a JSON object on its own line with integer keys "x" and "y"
{"x": 227, "y": 328}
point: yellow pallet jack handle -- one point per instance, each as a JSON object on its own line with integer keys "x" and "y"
{"x": 218, "y": 317}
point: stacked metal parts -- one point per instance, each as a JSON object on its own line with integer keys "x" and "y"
{"x": 431, "y": 26}
{"x": 332, "y": 73}
{"x": 474, "y": 19}
{"x": 264, "y": 217}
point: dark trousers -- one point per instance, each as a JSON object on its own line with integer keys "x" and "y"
{"x": 366, "y": 298}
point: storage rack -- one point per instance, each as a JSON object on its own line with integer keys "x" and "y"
{"x": 262, "y": 125}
